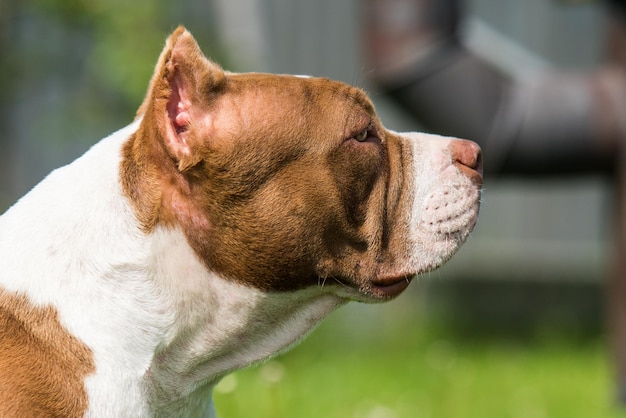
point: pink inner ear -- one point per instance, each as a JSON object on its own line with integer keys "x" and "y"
{"x": 178, "y": 106}
{"x": 181, "y": 122}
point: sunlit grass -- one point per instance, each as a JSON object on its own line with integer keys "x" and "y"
{"x": 379, "y": 362}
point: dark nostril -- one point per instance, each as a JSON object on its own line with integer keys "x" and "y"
{"x": 479, "y": 161}
{"x": 467, "y": 153}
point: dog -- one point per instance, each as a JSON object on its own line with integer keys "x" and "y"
{"x": 214, "y": 232}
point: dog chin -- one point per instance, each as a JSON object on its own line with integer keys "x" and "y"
{"x": 374, "y": 292}
{"x": 429, "y": 252}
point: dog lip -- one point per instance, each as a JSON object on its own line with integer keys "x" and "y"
{"x": 391, "y": 286}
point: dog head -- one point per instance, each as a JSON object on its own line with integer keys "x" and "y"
{"x": 283, "y": 183}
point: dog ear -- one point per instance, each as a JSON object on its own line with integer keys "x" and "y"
{"x": 182, "y": 85}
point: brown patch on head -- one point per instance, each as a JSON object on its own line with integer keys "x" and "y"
{"x": 42, "y": 366}
{"x": 278, "y": 182}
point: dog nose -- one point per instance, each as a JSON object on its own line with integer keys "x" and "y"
{"x": 467, "y": 156}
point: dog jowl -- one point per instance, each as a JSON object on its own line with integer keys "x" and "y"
{"x": 213, "y": 232}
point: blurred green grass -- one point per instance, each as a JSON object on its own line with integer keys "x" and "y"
{"x": 392, "y": 361}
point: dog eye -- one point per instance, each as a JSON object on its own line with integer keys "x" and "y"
{"x": 362, "y": 136}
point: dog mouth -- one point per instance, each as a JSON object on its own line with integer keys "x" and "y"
{"x": 378, "y": 289}
{"x": 388, "y": 288}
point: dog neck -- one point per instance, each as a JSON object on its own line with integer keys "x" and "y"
{"x": 219, "y": 326}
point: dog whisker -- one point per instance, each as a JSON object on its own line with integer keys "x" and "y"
{"x": 339, "y": 281}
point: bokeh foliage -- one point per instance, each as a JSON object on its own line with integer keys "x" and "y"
{"x": 72, "y": 71}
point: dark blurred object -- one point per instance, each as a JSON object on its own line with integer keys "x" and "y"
{"x": 619, "y": 5}
{"x": 560, "y": 124}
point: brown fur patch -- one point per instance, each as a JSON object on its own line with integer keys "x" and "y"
{"x": 42, "y": 366}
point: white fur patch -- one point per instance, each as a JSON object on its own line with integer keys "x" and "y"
{"x": 445, "y": 202}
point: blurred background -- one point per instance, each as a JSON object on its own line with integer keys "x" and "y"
{"x": 513, "y": 326}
